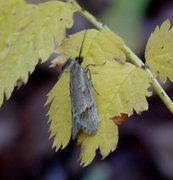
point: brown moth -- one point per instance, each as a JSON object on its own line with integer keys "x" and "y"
{"x": 83, "y": 106}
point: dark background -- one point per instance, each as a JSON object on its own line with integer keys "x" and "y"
{"x": 145, "y": 148}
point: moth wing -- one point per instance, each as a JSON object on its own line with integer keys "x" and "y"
{"x": 83, "y": 107}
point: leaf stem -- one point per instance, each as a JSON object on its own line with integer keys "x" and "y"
{"x": 86, "y": 15}
{"x": 160, "y": 91}
{"x": 133, "y": 58}
{"x": 154, "y": 83}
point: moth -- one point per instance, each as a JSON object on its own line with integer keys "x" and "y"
{"x": 83, "y": 106}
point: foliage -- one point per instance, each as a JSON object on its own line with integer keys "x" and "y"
{"x": 30, "y": 33}
{"x": 159, "y": 52}
{"x": 111, "y": 80}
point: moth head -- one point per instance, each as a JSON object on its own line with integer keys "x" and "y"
{"x": 79, "y": 59}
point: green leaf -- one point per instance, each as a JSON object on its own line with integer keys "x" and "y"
{"x": 159, "y": 52}
{"x": 28, "y": 35}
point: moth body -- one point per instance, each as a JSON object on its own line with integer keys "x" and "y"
{"x": 83, "y": 107}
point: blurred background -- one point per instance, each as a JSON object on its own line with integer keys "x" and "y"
{"x": 145, "y": 148}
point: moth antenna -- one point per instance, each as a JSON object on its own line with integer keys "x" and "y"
{"x": 81, "y": 48}
{"x": 79, "y": 58}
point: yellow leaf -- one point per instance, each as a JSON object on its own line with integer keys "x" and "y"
{"x": 7, "y": 10}
{"x": 59, "y": 113}
{"x": 121, "y": 85}
{"x": 98, "y": 47}
{"x": 106, "y": 139}
{"x": 28, "y": 33}
{"x": 159, "y": 52}
{"x": 122, "y": 88}
{"x": 6, "y": 7}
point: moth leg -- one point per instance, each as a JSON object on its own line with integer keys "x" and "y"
{"x": 87, "y": 70}
{"x": 89, "y": 77}
{"x": 94, "y": 65}
{"x": 65, "y": 67}
{"x": 63, "y": 71}
{"x": 66, "y": 64}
